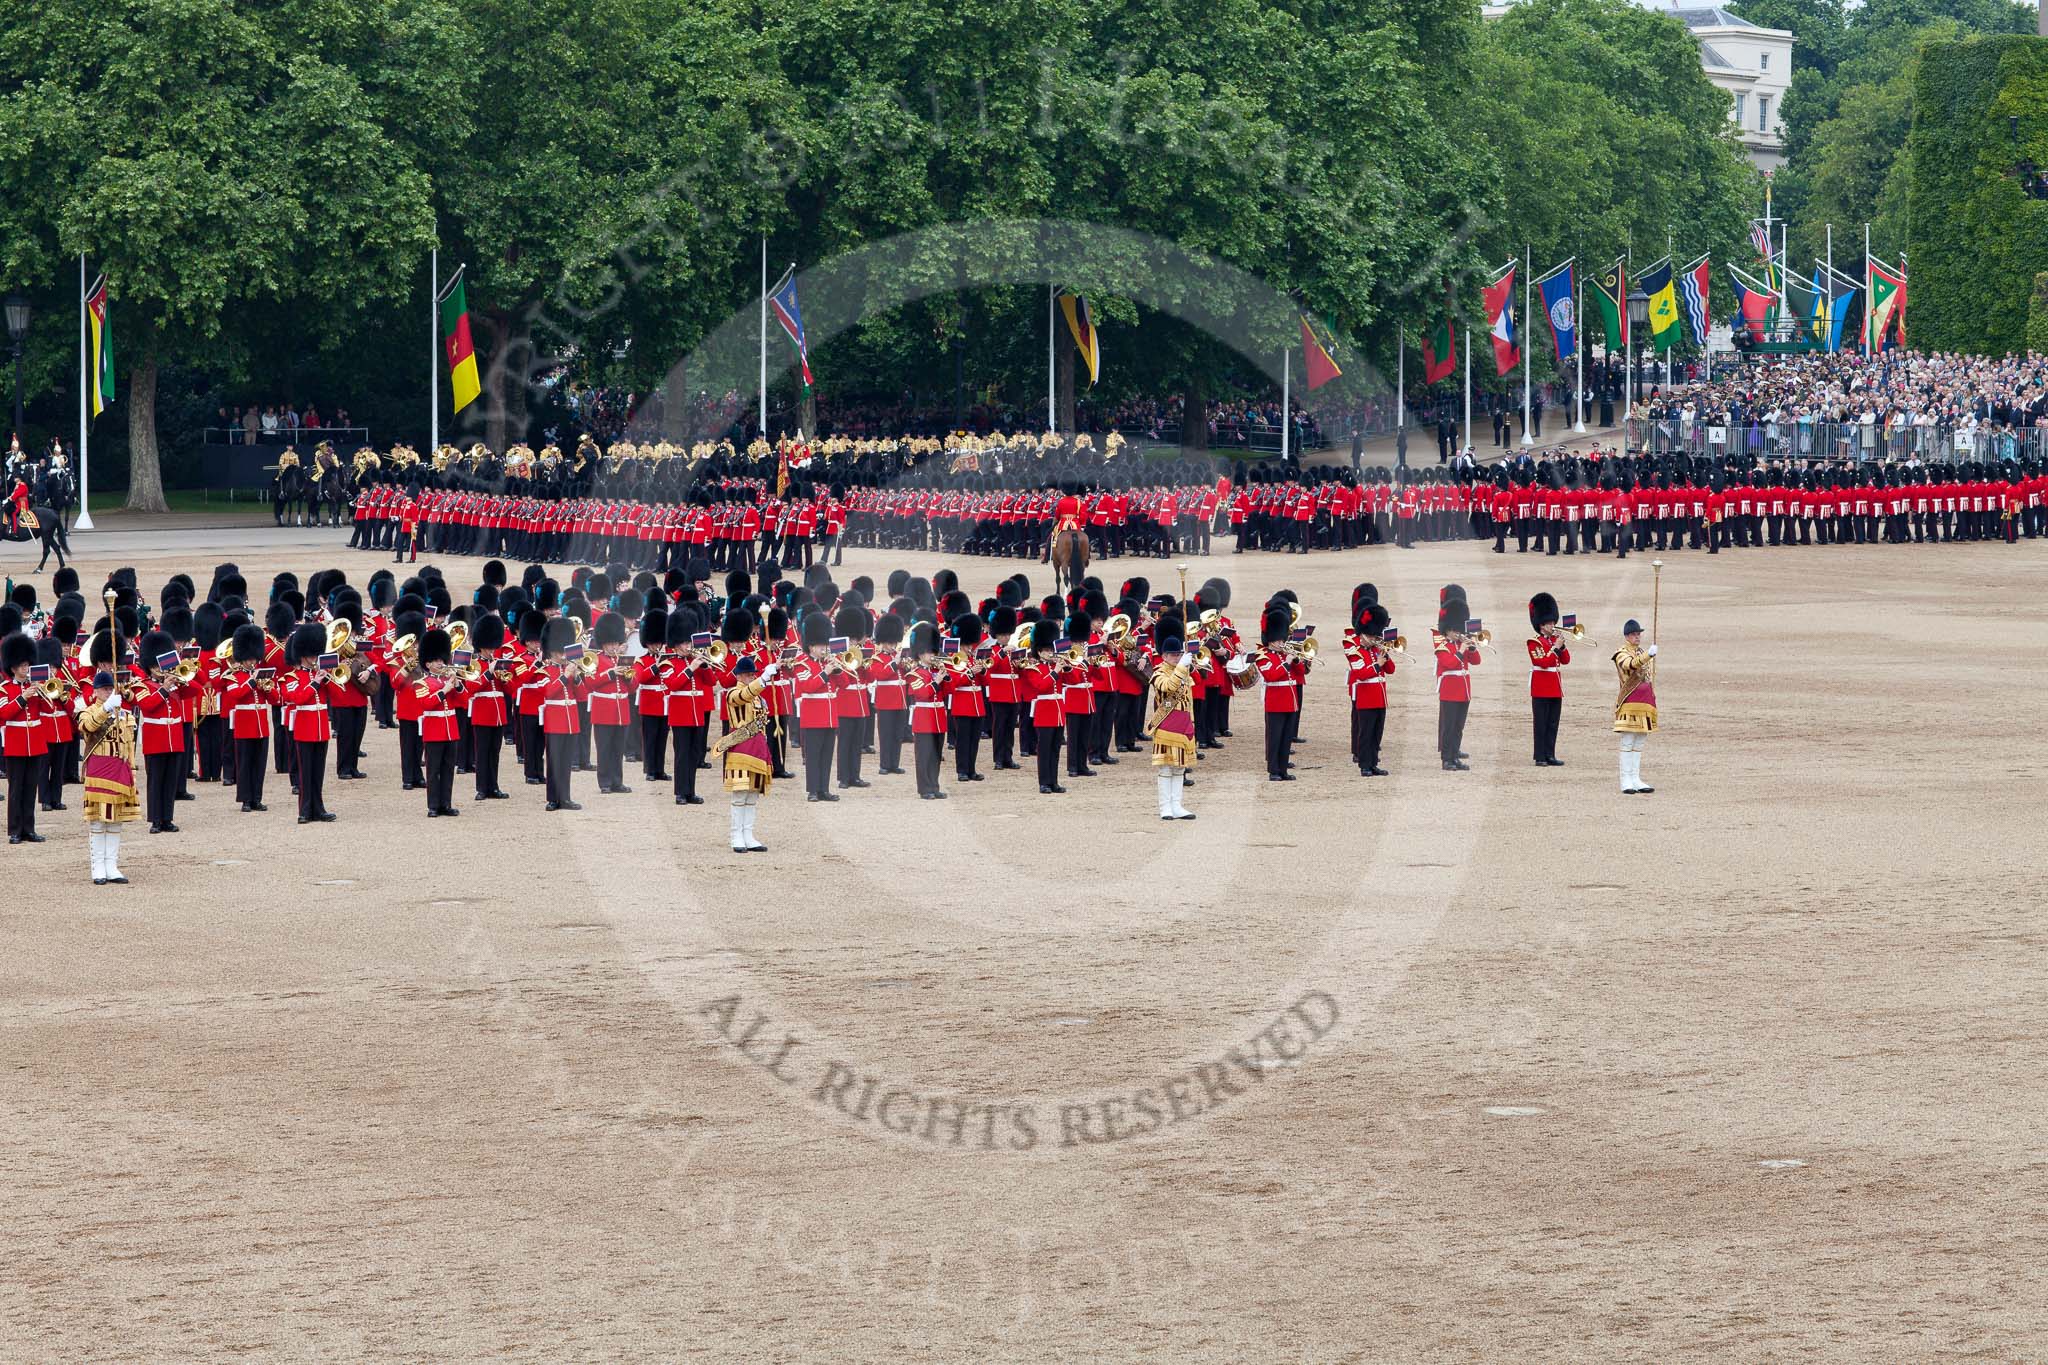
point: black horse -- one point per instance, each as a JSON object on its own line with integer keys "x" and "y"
{"x": 55, "y": 540}
{"x": 331, "y": 495}
{"x": 289, "y": 490}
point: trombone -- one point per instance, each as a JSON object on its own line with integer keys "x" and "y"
{"x": 1575, "y": 631}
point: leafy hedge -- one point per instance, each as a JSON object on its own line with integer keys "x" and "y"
{"x": 2037, "y": 315}
{"x": 1976, "y": 243}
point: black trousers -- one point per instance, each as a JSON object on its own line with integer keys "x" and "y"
{"x": 690, "y": 742}
{"x": 486, "y": 743}
{"x": 286, "y": 752}
{"x": 439, "y": 756}
{"x": 1278, "y": 733}
{"x": 1078, "y": 728}
{"x": 1547, "y": 711}
{"x": 21, "y": 795}
{"x": 818, "y": 759}
{"x": 311, "y": 758}
{"x": 208, "y": 733}
{"x": 1002, "y": 730}
{"x": 966, "y": 734}
{"x": 654, "y": 746}
{"x": 1367, "y": 727}
{"x": 1099, "y": 730}
{"x": 349, "y": 724}
{"x": 381, "y": 703}
{"x": 852, "y": 730}
{"x": 532, "y": 748}
{"x": 50, "y": 772}
{"x": 249, "y": 771}
{"x": 609, "y": 742}
{"x": 160, "y": 772}
{"x": 890, "y": 727}
{"x": 1450, "y": 728}
{"x": 1048, "y": 746}
{"x": 560, "y": 761}
{"x": 185, "y": 762}
{"x": 409, "y": 771}
{"x": 929, "y": 751}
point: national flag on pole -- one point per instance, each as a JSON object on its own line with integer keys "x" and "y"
{"x": 1081, "y": 323}
{"x": 1884, "y": 310}
{"x": 1440, "y": 349}
{"x": 102, "y": 346}
{"x": 1610, "y": 296}
{"x": 1316, "y": 358}
{"x": 1499, "y": 301}
{"x": 455, "y": 342}
{"x": 1842, "y": 291}
{"x": 1664, "y": 320}
{"x": 1559, "y": 309}
{"x": 783, "y": 300}
{"x": 1694, "y": 285}
{"x": 1817, "y": 319}
{"x": 1753, "y": 305}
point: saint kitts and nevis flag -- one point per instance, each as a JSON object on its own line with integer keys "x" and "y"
{"x": 1316, "y": 358}
{"x": 456, "y": 343}
{"x": 102, "y": 346}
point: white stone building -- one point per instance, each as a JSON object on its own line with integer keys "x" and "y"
{"x": 1753, "y": 64}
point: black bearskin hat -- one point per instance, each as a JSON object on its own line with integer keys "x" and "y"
{"x": 279, "y": 620}
{"x": 737, "y": 627}
{"x": 24, "y": 597}
{"x": 487, "y": 633}
{"x": 1043, "y": 635}
{"x": 155, "y": 644}
{"x": 969, "y": 629}
{"x": 898, "y": 581}
{"x": 678, "y": 629}
{"x": 304, "y": 646}
{"x": 1364, "y": 592}
{"x": 247, "y": 645}
{"x": 16, "y": 651}
{"x": 1003, "y": 621}
{"x": 608, "y": 629}
{"x": 852, "y": 622}
{"x": 1542, "y": 610}
{"x": 548, "y": 596}
{"x": 531, "y": 625}
{"x": 1452, "y": 615}
{"x": 1373, "y": 619}
{"x": 1136, "y": 587}
{"x": 1275, "y": 625}
{"x": 1077, "y": 627}
{"x": 817, "y": 630}
{"x": 889, "y": 631}
{"x": 206, "y": 625}
{"x": 923, "y": 639}
{"x": 557, "y": 635}
{"x": 64, "y": 580}
{"x": 738, "y": 584}
{"x": 494, "y": 573}
{"x": 436, "y": 647}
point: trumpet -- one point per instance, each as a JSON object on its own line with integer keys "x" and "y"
{"x": 56, "y": 687}
{"x": 186, "y": 671}
{"x": 589, "y": 662}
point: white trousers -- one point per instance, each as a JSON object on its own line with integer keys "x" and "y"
{"x": 1632, "y": 762}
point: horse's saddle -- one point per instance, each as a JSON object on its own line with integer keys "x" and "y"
{"x": 29, "y": 522}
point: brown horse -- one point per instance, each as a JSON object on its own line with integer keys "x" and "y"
{"x": 1070, "y": 554}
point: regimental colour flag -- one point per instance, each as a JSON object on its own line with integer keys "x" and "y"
{"x": 1439, "y": 349}
{"x": 1316, "y": 359}
{"x": 1610, "y": 296}
{"x": 1081, "y": 323}
{"x": 1559, "y": 309}
{"x": 456, "y": 344}
{"x": 1694, "y": 286}
{"x": 783, "y": 301}
{"x": 1664, "y": 321}
{"x": 1499, "y": 300}
{"x": 102, "y": 346}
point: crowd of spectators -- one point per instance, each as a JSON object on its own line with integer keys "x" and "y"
{"x": 275, "y": 424}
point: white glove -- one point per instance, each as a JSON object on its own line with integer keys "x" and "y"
{"x": 113, "y": 701}
{"x": 1653, "y": 651}
{"x": 1187, "y": 661}
{"x": 771, "y": 670}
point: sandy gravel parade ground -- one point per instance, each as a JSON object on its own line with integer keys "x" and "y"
{"x": 1445, "y": 1066}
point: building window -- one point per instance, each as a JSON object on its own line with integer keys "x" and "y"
{"x": 1764, "y": 62}
{"x": 1763, "y": 113}
{"x": 1741, "y": 107}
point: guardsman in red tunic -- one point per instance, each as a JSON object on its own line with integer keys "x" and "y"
{"x": 246, "y": 696}
{"x": 304, "y": 690}
{"x": 921, "y": 681}
{"x": 818, "y": 677}
{"x": 650, "y": 695}
{"x": 1038, "y": 680}
{"x": 1370, "y": 665}
{"x": 1457, "y": 654}
{"x": 558, "y": 673}
{"x": 610, "y": 696}
{"x": 884, "y": 675}
{"x": 1276, "y": 669}
{"x": 160, "y": 706}
{"x": 967, "y": 698}
{"x": 439, "y": 693}
{"x": 1547, "y": 658}
{"x": 21, "y": 736}
{"x": 686, "y": 699}
{"x": 1070, "y": 513}
{"x": 488, "y": 700}
{"x": 851, "y": 707}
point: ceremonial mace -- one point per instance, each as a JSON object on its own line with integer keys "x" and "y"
{"x": 1656, "y": 586}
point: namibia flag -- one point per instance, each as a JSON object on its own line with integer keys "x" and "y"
{"x": 454, "y": 301}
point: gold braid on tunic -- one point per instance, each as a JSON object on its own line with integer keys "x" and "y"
{"x": 1173, "y": 692}
{"x": 107, "y": 734}
{"x": 1632, "y": 667}
{"x": 745, "y": 716}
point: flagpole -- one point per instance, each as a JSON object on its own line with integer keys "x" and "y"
{"x": 1052, "y": 413}
{"x": 1468, "y": 388}
{"x": 763, "y": 390}
{"x": 1528, "y": 265}
{"x": 1866, "y": 290}
{"x": 1827, "y": 342}
{"x": 434, "y": 343}
{"x": 1400, "y": 384}
{"x": 1670, "y": 255}
{"x": 1628, "y": 349}
{"x": 1579, "y": 337}
{"x": 84, "y": 522}
{"x": 1286, "y": 364}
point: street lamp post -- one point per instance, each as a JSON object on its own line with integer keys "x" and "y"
{"x": 17, "y": 333}
{"x": 1638, "y": 319}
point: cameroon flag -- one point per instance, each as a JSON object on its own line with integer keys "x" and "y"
{"x": 455, "y": 341}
